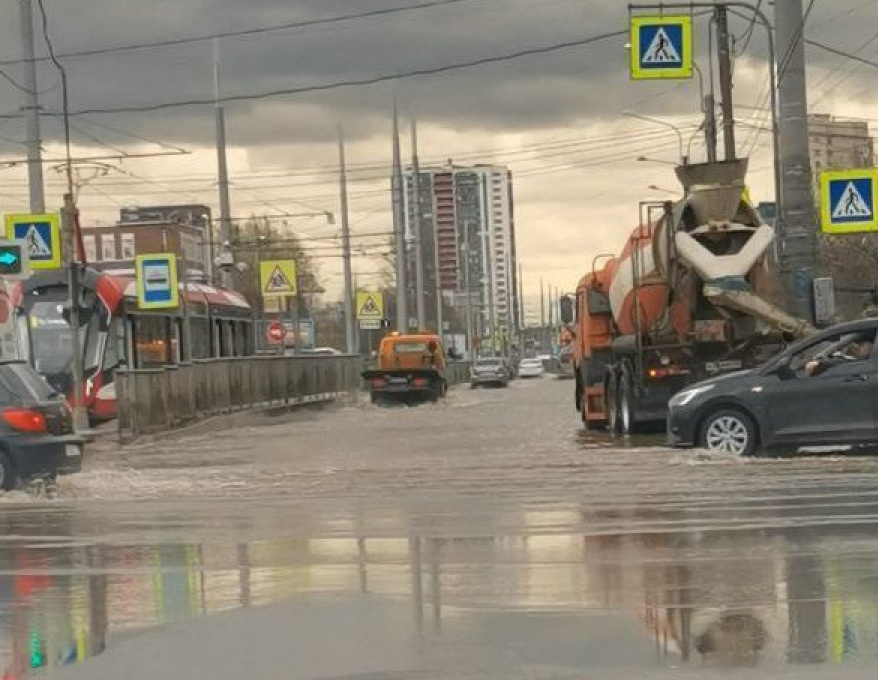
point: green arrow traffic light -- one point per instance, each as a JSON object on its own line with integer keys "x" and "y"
{"x": 10, "y": 259}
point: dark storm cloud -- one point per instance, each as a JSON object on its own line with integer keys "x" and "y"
{"x": 546, "y": 91}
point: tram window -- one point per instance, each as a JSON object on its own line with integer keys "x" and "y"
{"x": 152, "y": 346}
{"x": 199, "y": 328}
{"x": 115, "y": 345}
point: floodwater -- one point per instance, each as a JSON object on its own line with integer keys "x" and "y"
{"x": 484, "y": 537}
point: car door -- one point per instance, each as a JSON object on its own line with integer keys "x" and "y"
{"x": 837, "y": 406}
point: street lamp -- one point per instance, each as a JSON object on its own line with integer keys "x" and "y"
{"x": 684, "y": 159}
{"x": 647, "y": 159}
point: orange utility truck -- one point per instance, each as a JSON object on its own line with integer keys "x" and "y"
{"x": 410, "y": 368}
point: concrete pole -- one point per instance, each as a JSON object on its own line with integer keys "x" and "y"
{"x": 796, "y": 202}
{"x": 710, "y": 127}
{"x": 31, "y": 109}
{"x": 417, "y": 227}
{"x": 440, "y": 321}
{"x": 399, "y": 231}
{"x": 225, "y": 218}
{"x": 349, "y": 321}
{"x": 725, "y": 81}
{"x": 467, "y": 286}
{"x": 489, "y": 259}
{"x": 542, "y": 315}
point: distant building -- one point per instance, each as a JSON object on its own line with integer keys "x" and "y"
{"x": 474, "y": 201}
{"x": 837, "y": 144}
{"x": 183, "y": 230}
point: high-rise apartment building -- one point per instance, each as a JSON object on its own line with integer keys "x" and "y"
{"x": 470, "y": 211}
{"x": 837, "y": 144}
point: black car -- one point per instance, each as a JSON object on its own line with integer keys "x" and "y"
{"x": 821, "y": 391}
{"x": 37, "y": 438}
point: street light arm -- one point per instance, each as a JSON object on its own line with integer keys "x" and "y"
{"x": 659, "y": 121}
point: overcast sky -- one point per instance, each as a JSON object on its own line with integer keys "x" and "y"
{"x": 554, "y": 119}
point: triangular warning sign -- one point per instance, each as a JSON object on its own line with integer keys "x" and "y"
{"x": 851, "y": 204}
{"x": 36, "y": 243}
{"x": 661, "y": 50}
{"x": 279, "y": 282}
{"x": 369, "y": 308}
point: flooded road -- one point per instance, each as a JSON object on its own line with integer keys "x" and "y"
{"x": 484, "y": 537}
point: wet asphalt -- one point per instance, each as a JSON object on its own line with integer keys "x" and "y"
{"x": 487, "y": 536}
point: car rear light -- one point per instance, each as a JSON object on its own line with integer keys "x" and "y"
{"x": 420, "y": 382}
{"x": 378, "y": 382}
{"x": 24, "y": 420}
{"x": 667, "y": 372}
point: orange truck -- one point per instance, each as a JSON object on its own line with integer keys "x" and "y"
{"x": 411, "y": 368}
{"x": 685, "y": 300}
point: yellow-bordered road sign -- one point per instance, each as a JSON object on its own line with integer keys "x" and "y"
{"x": 277, "y": 278}
{"x": 370, "y": 305}
{"x": 42, "y": 233}
{"x": 156, "y": 278}
{"x": 661, "y": 47}
{"x": 848, "y": 200}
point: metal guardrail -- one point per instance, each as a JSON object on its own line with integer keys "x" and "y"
{"x": 160, "y": 399}
{"x": 457, "y": 372}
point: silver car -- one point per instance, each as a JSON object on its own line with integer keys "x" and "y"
{"x": 489, "y": 371}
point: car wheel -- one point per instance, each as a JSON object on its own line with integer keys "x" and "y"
{"x": 729, "y": 431}
{"x": 8, "y": 476}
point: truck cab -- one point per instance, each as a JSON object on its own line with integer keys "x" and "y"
{"x": 410, "y": 368}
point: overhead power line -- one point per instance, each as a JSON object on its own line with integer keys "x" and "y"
{"x": 272, "y": 28}
{"x": 374, "y": 80}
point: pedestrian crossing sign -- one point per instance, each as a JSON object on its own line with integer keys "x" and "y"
{"x": 370, "y": 305}
{"x": 277, "y": 278}
{"x": 661, "y": 47}
{"x": 847, "y": 200}
{"x": 42, "y": 234}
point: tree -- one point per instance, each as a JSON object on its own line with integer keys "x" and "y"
{"x": 261, "y": 239}
{"x": 852, "y": 261}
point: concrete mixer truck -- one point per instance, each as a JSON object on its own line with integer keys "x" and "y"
{"x": 687, "y": 298}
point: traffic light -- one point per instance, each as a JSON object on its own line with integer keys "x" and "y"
{"x": 11, "y": 259}
{"x": 37, "y": 650}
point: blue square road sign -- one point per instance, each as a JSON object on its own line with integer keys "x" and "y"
{"x": 42, "y": 236}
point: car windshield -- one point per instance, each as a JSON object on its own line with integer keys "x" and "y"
{"x": 489, "y": 362}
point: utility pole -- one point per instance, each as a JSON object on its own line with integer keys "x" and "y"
{"x": 420, "y": 302}
{"x": 489, "y": 260}
{"x": 521, "y": 299}
{"x": 225, "y": 254}
{"x": 437, "y": 280}
{"x": 542, "y": 315}
{"x": 468, "y": 288}
{"x": 31, "y": 109}
{"x": 349, "y": 321}
{"x": 710, "y": 127}
{"x": 725, "y": 81}
{"x": 399, "y": 231}
{"x": 795, "y": 203}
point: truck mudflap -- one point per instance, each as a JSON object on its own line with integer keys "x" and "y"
{"x": 405, "y": 384}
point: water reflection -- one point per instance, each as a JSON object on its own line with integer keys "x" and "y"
{"x": 652, "y": 599}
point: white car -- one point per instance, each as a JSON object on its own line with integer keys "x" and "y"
{"x": 531, "y": 368}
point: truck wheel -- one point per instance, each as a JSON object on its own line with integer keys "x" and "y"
{"x": 612, "y": 392}
{"x": 626, "y": 406}
{"x": 729, "y": 431}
